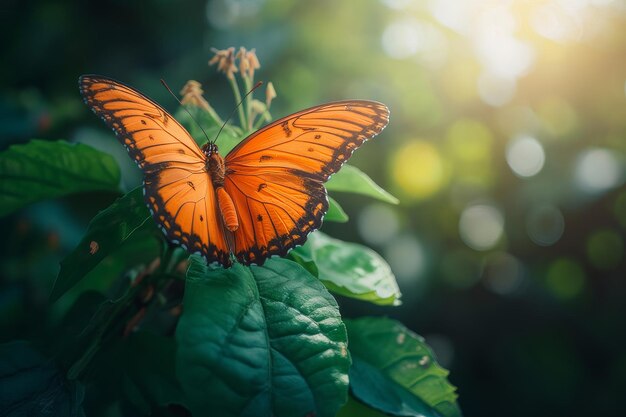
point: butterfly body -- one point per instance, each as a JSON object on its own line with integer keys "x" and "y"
{"x": 262, "y": 198}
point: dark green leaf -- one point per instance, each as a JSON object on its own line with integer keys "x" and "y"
{"x": 350, "y": 179}
{"x": 396, "y": 372}
{"x": 355, "y": 408}
{"x": 350, "y": 269}
{"x": 31, "y": 385}
{"x": 150, "y": 374}
{"x": 260, "y": 341}
{"x": 43, "y": 169}
{"x": 335, "y": 212}
{"x": 106, "y": 232}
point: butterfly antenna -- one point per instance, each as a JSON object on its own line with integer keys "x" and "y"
{"x": 185, "y": 108}
{"x": 257, "y": 85}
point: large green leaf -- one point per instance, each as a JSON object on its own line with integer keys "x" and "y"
{"x": 43, "y": 169}
{"x": 335, "y": 212}
{"x": 350, "y": 179}
{"x": 260, "y": 341}
{"x": 355, "y": 408}
{"x": 396, "y": 372}
{"x": 106, "y": 232}
{"x": 349, "y": 269}
{"x": 149, "y": 371}
{"x": 31, "y": 385}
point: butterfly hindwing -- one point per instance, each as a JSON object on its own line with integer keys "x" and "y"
{"x": 276, "y": 175}
{"x": 177, "y": 187}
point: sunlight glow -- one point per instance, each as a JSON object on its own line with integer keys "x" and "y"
{"x": 496, "y": 91}
{"x": 411, "y": 37}
{"x": 401, "y": 39}
{"x": 553, "y": 22}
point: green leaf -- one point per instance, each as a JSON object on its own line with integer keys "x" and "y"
{"x": 355, "y": 408}
{"x": 43, "y": 169}
{"x": 335, "y": 212}
{"x": 260, "y": 341}
{"x": 150, "y": 374}
{"x": 106, "y": 232}
{"x": 140, "y": 250}
{"x": 349, "y": 269}
{"x": 31, "y": 385}
{"x": 350, "y": 179}
{"x": 396, "y": 372}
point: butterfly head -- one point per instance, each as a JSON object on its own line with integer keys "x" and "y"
{"x": 209, "y": 149}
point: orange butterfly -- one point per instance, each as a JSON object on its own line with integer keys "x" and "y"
{"x": 263, "y": 199}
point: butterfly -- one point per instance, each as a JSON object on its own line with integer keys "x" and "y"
{"x": 262, "y": 199}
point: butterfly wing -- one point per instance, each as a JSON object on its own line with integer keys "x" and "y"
{"x": 177, "y": 187}
{"x": 276, "y": 175}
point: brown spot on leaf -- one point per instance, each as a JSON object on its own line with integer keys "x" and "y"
{"x": 93, "y": 247}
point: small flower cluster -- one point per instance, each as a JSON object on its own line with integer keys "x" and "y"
{"x": 244, "y": 63}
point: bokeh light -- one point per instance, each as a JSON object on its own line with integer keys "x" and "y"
{"x": 378, "y": 223}
{"x": 503, "y": 273}
{"x": 545, "y": 224}
{"x": 401, "y": 39}
{"x": 605, "y": 249}
{"x": 418, "y": 169}
{"x": 565, "y": 278}
{"x": 496, "y": 91}
{"x": 411, "y": 37}
{"x": 525, "y": 156}
{"x": 407, "y": 259}
{"x": 481, "y": 226}
{"x": 553, "y": 22}
{"x": 598, "y": 170}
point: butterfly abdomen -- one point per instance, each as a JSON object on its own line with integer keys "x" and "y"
{"x": 227, "y": 208}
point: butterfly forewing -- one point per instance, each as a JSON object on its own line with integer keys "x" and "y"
{"x": 275, "y": 176}
{"x": 178, "y": 189}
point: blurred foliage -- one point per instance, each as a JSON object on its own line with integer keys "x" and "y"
{"x": 505, "y": 148}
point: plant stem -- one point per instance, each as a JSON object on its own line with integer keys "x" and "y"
{"x": 264, "y": 117}
{"x": 237, "y": 93}
{"x": 248, "y": 85}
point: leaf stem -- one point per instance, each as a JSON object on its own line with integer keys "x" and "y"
{"x": 235, "y": 86}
